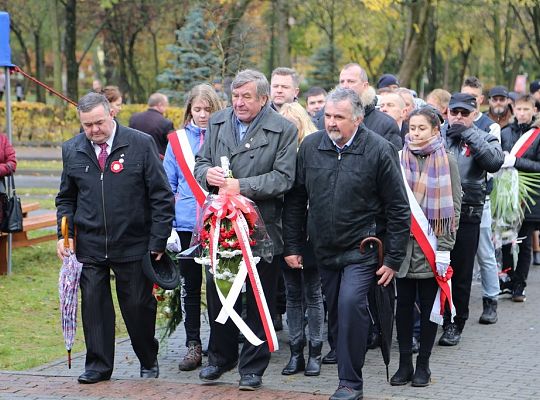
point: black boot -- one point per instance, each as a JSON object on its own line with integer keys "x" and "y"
{"x": 489, "y": 315}
{"x": 313, "y": 367}
{"x": 422, "y": 374}
{"x": 297, "y": 362}
{"x": 405, "y": 371}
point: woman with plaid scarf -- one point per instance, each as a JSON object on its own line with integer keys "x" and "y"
{"x": 433, "y": 177}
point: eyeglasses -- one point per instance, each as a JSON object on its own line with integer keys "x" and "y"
{"x": 464, "y": 113}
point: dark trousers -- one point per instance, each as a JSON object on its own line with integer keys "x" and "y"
{"x": 521, "y": 271}
{"x": 281, "y": 295}
{"x": 408, "y": 290}
{"x": 346, "y": 293}
{"x": 191, "y": 285}
{"x": 138, "y": 307}
{"x": 223, "y": 342}
{"x": 462, "y": 262}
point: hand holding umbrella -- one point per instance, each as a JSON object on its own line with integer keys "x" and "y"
{"x": 68, "y": 287}
{"x": 384, "y": 301}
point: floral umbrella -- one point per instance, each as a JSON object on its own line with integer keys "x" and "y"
{"x": 68, "y": 288}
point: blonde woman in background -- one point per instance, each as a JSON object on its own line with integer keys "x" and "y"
{"x": 303, "y": 285}
{"x": 297, "y": 114}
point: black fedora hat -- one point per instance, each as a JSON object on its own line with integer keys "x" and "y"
{"x": 162, "y": 272}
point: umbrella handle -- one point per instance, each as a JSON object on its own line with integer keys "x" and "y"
{"x": 379, "y": 247}
{"x": 65, "y": 231}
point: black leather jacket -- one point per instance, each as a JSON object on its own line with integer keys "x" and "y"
{"x": 352, "y": 194}
{"x": 477, "y": 152}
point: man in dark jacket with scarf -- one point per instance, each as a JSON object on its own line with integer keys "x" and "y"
{"x": 116, "y": 197}
{"x": 352, "y": 181}
{"x": 477, "y": 152}
{"x": 261, "y": 147}
{"x": 529, "y": 161}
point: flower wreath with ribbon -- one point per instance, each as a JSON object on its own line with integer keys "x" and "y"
{"x": 229, "y": 228}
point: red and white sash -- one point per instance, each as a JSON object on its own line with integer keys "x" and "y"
{"x": 427, "y": 241}
{"x": 186, "y": 161}
{"x": 524, "y": 142}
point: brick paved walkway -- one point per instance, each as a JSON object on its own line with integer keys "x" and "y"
{"x": 500, "y": 361}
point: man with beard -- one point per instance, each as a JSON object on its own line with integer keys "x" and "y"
{"x": 500, "y": 108}
{"x": 352, "y": 180}
{"x": 485, "y": 256}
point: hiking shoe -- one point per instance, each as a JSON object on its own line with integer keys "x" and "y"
{"x": 193, "y": 357}
{"x": 489, "y": 315}
{"x": 451, "y": 336}
{"x": 518, "y": 294}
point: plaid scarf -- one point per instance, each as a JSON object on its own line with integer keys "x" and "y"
{"x": 431, "y": 186}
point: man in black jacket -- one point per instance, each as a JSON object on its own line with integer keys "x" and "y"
{"x": 153, "y": 122}
{"x": 115, "y": 193}
{"x": 352, "y": 181}
{"x": 354, "y": 77}
{"x": 477, "y": 153}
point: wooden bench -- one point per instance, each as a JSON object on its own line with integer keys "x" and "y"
{"x": 30, "y": 223}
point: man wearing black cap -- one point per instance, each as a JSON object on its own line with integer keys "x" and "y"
{"x": 500, "y": 109}
{"x": 388, "y": 81}
{"x": 477, "y": 152}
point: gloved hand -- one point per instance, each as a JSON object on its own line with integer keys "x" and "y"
{"x": 442, "y": 261}
{"x": 509, "y": 160}
{"x": 454, "y": 131}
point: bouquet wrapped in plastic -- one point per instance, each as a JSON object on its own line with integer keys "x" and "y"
{"x": 233, "y": 239}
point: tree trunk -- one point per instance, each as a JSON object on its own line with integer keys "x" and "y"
{"x": 283, "y": 54}
{"x": 55, "y": 44}
{"x": 38, "y": 51}
{"x": 272, "y": 25}
{"x": 414, "y": 55}
{"x": 70, "y": 49}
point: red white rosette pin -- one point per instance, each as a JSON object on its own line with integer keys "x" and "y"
{"x": 117, "y": 166}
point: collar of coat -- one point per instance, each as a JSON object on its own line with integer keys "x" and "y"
{"x": 271, "y": 122}
{"x": 358, "y": 145}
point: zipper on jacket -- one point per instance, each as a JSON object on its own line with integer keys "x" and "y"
{"x": 104, "y": 217}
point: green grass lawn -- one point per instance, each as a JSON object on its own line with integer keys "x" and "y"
{"x": 44, "y": 196}
{"x": 50, "y": 165}
{"x": 30, "y": 330}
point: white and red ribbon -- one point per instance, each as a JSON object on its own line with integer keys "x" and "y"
{"x": 427, "y": 241}
{"x": 234, "y": 208}
{"x": 186, "y": 161}
{"x": 524, "y": 142}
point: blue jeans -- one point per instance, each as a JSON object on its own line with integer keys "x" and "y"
{"x": 485, "y": 256}
{"x": 304, "y": 293}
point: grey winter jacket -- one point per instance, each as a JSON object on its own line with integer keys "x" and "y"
{"x": 264, "y": 162}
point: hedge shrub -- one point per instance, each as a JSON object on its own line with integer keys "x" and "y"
{"x": 42, "y": 124}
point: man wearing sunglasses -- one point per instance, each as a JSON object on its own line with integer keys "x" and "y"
{"x": 477, "y": 152}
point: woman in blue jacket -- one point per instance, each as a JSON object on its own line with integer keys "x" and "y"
{"x": 201, "y": 102}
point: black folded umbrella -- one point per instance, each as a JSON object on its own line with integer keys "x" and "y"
{"x": 385, "y": 303}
